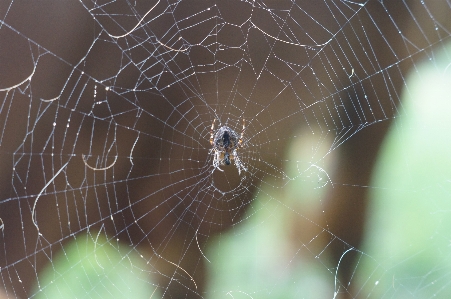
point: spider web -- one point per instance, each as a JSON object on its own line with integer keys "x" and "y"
{"x": 108, "y": 172}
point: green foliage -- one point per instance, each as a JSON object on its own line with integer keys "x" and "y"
{"x": 92, "y": 267}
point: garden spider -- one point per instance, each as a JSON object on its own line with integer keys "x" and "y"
{"x": 226, "y": 143}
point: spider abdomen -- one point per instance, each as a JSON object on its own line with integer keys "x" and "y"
{"x": 226, "y": 143}
{"x": 227, "y": 158}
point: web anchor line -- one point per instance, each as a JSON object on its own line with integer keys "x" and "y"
{"x": 97, "y": 169}
{"x": 33, "y": 212}
{"x": 287, "y": 42}
{"x": 136, "y": 26}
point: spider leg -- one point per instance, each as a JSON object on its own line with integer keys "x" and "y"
{"x": 211, "y": 132}
{"x": 240, "y": 142}
{"x": 238, "y": 163}
{"x": 217, "y": 160}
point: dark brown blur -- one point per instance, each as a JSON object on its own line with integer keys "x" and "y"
{"x": 161, "y": 117}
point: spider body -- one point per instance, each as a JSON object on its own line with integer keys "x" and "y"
{"x": 226, "y": 143}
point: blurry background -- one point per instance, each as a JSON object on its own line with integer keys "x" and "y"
{"x": 407, "y": 248}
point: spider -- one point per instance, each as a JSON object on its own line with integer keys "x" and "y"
{"x": 226, "y": 143}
